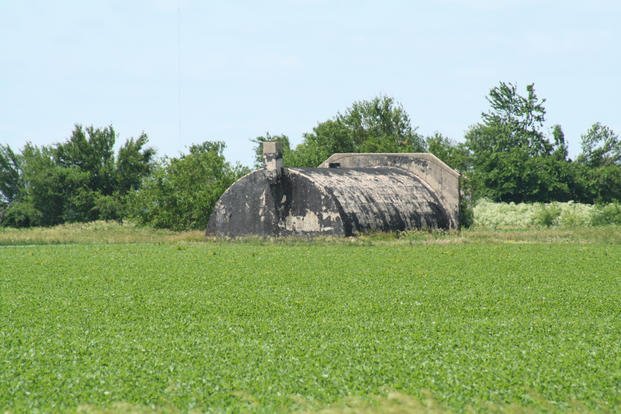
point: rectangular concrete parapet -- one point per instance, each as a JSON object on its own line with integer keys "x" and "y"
{"x": 272, "y": 156}
{"x": 441, "y": 178}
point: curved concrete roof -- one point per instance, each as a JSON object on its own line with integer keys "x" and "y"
{"x": 441, "y": 178}
{"x": 379, "y": 199}
{"x": 343, "y": 201}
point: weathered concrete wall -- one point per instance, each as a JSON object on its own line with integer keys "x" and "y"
{"x": 441, "y": 178}
{"x": 258, "y": 205}
{"x": 331, "y": 201}
{"x": 380, "y": 199}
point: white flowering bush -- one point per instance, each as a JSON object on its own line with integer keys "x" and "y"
{"x": 494, "y": 215}
{"x": 576, "y": 214}
{"x": 488, "y": 214}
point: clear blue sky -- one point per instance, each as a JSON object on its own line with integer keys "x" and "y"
{"x": 185, "y": 71}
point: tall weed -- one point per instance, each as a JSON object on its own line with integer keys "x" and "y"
{"x": 490, "y": 215}
{"x": 546, "y": 215}
{"x": 607, "y": 214}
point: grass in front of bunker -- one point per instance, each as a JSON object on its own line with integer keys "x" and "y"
{"x": 311, "y": 326}
{"x": 102, "y": 232}
{"x": 94, "y": 232}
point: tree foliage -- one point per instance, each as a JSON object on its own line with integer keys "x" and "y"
{"x": 561, "y": 151}
{"x": 601, "y": 147}
{"x": 520, "y": 119}
{"x": 511, "y": 157}
{"x": 377, "y": 125}
{"x": 182, "y": 191}
{"x": 454, "y": 154}
{"x": 508, "y": 156}
{"x": 78, "y": 180}
{"x": 10, "y": 175}
{"x": 258, "y": 148}
{"x": 599, "y": 165}
{"x": 134, "y": 162}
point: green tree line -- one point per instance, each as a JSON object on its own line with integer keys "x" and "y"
{"x": 506, "y": 156}
{"x": 83, "y": 179}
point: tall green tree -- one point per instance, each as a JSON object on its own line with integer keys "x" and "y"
{"x": 600, "y": 146}
{"x": 134, "y": 162}
{"x": 182, "y": 192}
{"x": 513, "y": 123}
{"x": 511, "y": 157}
{"x": 600, "y": 164}
{"x": 53, "y": 190}
{"x": 377, "y": 125}
{"x": 380, "y": 125}
{"x": 10, "y": 175}
{"x": 327, "y": 138}
{"x": 90, "y": 150}
{"x": 76, "y": 180}
{"x": 454, "y": 154}
{"x": 561, "y": 151}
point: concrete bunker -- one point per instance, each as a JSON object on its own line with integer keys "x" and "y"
{"x": 348, "y": 194}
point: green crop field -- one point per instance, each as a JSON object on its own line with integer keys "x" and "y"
{"x": 336, "y": 326}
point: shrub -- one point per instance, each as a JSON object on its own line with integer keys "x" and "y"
{"x": 492, "y": 215}
{"x": 575, "y": 214}
{"x": 21, "y": 214}
{"x": 109, "y": 207}
{"x": 181, "y": 193}
{"x": 546, "y": 215}
{"x": 466, "y": 212}
{"x": 606, "y": 214}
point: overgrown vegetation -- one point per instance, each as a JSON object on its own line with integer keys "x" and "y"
{"x": 181, "y": 192}
{"x": 112, "y": 232}
{"x": 82, "y": 180}
{"x": 511, "y": 159}
{"x": 487, "y": 214}
{"x": 378, "y": 125}
{"x": 76, "y": 181}
{"x": 269, "y": 326}
{"x": 94, "y": 232}
{"x": 506, "y": 157}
